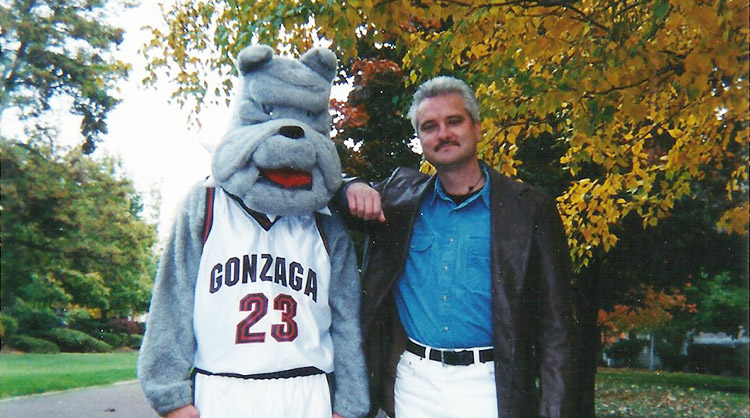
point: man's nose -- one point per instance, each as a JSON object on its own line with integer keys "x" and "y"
{"x": 291, "y": 131}
{"x": 443, "y": 131}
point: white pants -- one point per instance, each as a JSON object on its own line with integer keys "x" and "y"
{"x": 428, "y": 389}
{"x": 229, "y": 397}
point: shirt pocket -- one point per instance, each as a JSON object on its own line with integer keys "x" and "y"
{"x": 422, "y": 257}
{"x": 478, "y": 264}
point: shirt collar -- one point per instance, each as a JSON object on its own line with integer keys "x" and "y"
{"x": 484, "y": 193}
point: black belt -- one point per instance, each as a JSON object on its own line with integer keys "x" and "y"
{"x": 453, "y": 358}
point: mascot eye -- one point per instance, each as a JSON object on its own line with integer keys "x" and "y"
{"x": 310, "y": 114}
{"x": 267, "y": 109}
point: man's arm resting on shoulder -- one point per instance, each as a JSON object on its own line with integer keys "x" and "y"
{"x": 357, "y": 198}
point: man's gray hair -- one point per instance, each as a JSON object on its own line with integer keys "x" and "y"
{"x": 441, "y": 86}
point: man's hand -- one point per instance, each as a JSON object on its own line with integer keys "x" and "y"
{"x": 364, "y": 202}
{"x": 187, "y": 411}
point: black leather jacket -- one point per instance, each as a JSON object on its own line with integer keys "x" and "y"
{"x": 531, "y": 297}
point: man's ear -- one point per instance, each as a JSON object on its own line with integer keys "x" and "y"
{"x": 253, "y": 56}
{"x": 322, "y": 61}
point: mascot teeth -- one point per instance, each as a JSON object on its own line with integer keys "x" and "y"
{"x": 289, "y": 178}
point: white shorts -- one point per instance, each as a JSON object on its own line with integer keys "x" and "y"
{"x": 231, "y": 397}
{"x": 428, "y": 389}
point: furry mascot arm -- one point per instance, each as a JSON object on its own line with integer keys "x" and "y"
{"x": 351, "y": 398}
{"x": 166, "y": 357}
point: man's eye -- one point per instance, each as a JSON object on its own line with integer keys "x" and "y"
{"x": 428, "y": 128}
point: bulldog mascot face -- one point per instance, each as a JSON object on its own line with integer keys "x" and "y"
{"x": 277, "y": 156}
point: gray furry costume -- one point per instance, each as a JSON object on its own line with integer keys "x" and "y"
{"x": 279, "y": 136}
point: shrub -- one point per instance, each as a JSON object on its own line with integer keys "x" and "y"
{"x": 112, "y": 339}
{"x": 80, "y": 319}
{"x": 134, "y": 341}
{"x": 124, "y": 325}
{"x": 36, "y": 322}
{"x": 33, "y": 345}
{"x": 73, "y": 341}
{"x": 8, "y": 327}
{"x": 671, "y": 356}
{"x": 719, "y": 358}
{"x": 625, "y": 351}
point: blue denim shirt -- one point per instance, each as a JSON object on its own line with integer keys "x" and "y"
{"x": 443, "y": 296}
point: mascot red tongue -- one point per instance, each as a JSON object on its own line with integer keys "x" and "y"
{"x": 289, "y": 178}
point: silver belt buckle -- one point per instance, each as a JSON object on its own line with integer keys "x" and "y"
{"x": 442, "y": 357}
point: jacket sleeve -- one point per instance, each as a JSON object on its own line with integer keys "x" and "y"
{"x": 351, "y": 394}
{"x": 555, "y": 337}
{"x": 166, "y": 356}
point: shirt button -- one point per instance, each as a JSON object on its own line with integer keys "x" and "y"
{"x": 450, "y": 240}
{"x": 445, "y": 268}
{"x": 445, "y": 329}
{"x": 445, "y": 297}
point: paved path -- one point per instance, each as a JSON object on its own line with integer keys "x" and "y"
{"x": 121, "y": 400}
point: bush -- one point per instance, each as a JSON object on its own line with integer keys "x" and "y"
{"x": 112, "y": 339}
{"x": 29, "y": 344}
{"x": 8, "y": 327}
{"x": 36, "y": 323}
{"x": 719, "y": 358}
{"x": 124, "y": 325}
{"x": 134, "y": 341}
{"x": 80, "y": 319}
{"x": 671, "y": 356}
{"x": 73, "y": 341}
{"x": 625, "y": 351}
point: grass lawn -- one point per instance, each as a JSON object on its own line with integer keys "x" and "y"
{"x": 636, "y": 393}
{"x": 25, "y": 374}
{"x": 621, "y": 393}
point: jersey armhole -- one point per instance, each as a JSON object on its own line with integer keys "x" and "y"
{"x": 209, "y": 215}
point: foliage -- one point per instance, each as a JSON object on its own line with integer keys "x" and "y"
{"x": 644, "y": 98}
{"x": 60, "y": 49}
{"x": 652, "y": 315}
{"x": 125, "y": 326}
{"x": 34, "y": 322}
{"x": 371, "y": 131}
{"x": 35, "y": 345}
{"x": 625, "y": 350}
{"x": 26, "y": 374}
{"x": 722, "y": 303}
{"x": 628, "y": 393}
{"x": 8, "y": 327}
{"x": 72, "y": 234}
{"x": 72, "y": 341}
{"x": 719, "y": 358}
{"x": 133, "y": 341}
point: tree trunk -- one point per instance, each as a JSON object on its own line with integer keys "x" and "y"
{"x": 588, "y": 339}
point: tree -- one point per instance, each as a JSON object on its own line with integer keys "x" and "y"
{"x": 72, "y": 234}
{"x": 372, "y": 134}
{"x": 639, "y": 101}
{"x": 53, "y": 49}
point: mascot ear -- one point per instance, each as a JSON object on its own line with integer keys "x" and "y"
{"x": 322, "y": 61}
{"x": 253, "y": 56}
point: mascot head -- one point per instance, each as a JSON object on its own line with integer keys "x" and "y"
{"x": 277, "y": 156}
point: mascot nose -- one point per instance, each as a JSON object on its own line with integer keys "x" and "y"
{"x": 291, "y": 131}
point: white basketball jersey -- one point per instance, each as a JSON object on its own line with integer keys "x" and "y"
{"x": 261, "y": 298}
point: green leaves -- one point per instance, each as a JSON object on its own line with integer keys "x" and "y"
{"x": 72, "y": 233}
{"x": 60, "y": 49}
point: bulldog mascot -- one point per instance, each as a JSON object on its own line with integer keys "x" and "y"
{"x": 255, "y": 308}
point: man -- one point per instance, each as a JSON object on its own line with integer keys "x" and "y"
{"x": 466, "y": 283}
